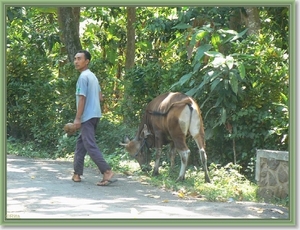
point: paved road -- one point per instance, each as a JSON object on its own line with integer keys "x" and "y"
{"x": 38, "y": 188}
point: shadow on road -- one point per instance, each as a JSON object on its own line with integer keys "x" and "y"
{"x": 38, "y": 188}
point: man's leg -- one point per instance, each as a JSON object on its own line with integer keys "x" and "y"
{"x": 79, "y": 156}
{"x": 88, "y": 129}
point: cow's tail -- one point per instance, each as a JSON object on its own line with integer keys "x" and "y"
{"x": 191, "y": 114}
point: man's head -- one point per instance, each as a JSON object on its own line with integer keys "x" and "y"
{"x": 81, "y": 60}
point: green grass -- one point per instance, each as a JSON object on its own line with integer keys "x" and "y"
{"x": 226, "y": 183}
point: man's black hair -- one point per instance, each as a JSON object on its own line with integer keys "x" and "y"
{"x": 87, "y": 54}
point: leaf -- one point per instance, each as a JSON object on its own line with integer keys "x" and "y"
{"x": 241, "y": 34}
{"x": 223, "y": 115}
{"x": 234, "y": 33}
{"x": 227, "y": 31}
{"x": 214, "y": 84}
{"x": 218, "y": 61}
{"x": 192, "y": 82}
{"x": 191, "y": 92}
{"x": 181, "y": 26}
{"x": 194, "y": 194}
{"x": 229, "y": 61}
{"x": 201, "y": 34}
{"x": 214, "y": 74}
{"x": 233, "y": 82}
{"x": 201, "y": 51}
{"x": 220, "y": 99}
{"x": 196, "y": 67}
{"x": 180, "y": 194}
{"x": 284, "y": 97}
{"x": 185, "y": 78}
{"x": 204, "y": 82}
{"x": 215, "y": 40}
{"x": 241, "y": 69}
{"x": 214, "y": 54}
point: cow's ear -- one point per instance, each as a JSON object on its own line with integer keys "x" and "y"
{"x": 145, "y": 131}
{"x": 126, "y": 140}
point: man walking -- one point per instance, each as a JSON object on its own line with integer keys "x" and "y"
{"x": 88, "y": 97}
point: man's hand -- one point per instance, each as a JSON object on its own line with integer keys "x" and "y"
{"x": 101, "y": 96}
{"x": 77, "y": 123}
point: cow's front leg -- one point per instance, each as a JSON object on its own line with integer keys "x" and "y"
{"x": 157, "y": 159}
{"x": 184, "y": 155}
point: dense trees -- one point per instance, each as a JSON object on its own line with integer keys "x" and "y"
{"x": 233, "y": 60}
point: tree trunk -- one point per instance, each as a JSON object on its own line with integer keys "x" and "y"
{"x": 68, "y": 19}
{"x": 252, "y": 21}
{"x": 130, "y": 49}
{"x": 237, "y": 19}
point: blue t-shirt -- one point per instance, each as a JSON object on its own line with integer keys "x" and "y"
{"x": 88, "y": 86}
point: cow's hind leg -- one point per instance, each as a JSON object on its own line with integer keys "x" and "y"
{"x": 184, "y": 156}
{"x": 172, "y": 155}
{"x": 200, "y": 143}
{"x": 203, "y": 158}
{"x": 197, "y": 132}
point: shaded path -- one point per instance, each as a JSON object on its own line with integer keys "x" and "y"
{"x": 38, "y": 188}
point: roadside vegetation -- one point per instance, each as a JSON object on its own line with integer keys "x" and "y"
{"x": 228, "y": 184}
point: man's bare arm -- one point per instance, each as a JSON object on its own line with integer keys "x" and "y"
{"x": 81, "y": 104}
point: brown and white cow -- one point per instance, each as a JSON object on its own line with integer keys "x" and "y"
{"x": 168, "y": 119}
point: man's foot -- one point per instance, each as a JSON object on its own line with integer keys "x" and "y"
{"x": 107, "y": 178}
{"x": 76, "y": 178}
{"x": 106, "y": 182}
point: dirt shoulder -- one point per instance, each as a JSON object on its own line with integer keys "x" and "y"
{"x": 38, "y": 188}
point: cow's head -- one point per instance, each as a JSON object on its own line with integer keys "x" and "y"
{"x": 138, "y": 148}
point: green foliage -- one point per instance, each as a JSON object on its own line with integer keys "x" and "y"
{"x": 110, "y": 133}
{"x": 25, "y": 148}
{"x": 31, "y": 92}
{"x": 143, "y": 83}
{"x": 227, "y": 183}
{"x": 65, "y": 146}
